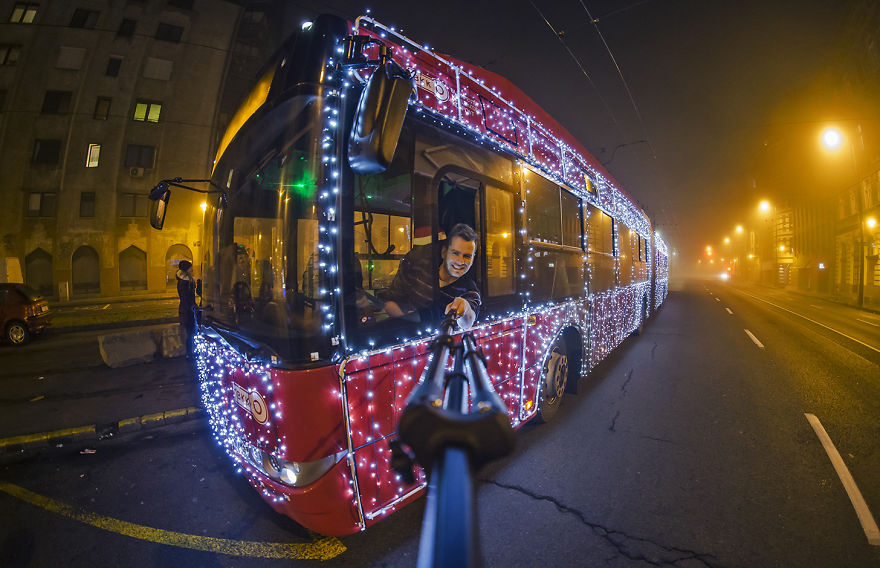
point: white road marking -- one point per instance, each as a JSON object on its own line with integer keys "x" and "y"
{"x": 815, "y": 322}
{"x": 717, "y": 299}
{"x": 754, "y": 339}
{"x": 855, "y": 496}
{"x": 728, "y": 311}
{"x": 868, "y": 322}
{"x": 817, "y": 307}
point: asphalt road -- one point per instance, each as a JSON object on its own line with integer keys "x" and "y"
{"x": 689, "y": 446}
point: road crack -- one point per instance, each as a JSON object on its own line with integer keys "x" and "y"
{"x": 632, "y": 547}
{"x": 614, "y": 421}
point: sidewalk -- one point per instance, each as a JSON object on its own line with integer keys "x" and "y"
{"x": 112, "y": 313}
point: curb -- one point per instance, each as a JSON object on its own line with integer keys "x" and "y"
{"x": 98, "y": 432}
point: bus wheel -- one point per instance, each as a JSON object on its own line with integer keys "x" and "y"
{"x": 553, "y": 379}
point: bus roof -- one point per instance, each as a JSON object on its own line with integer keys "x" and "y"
{"x": 496, "y": 110}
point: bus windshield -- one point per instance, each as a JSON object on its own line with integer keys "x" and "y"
{"x": 260, "y": 272}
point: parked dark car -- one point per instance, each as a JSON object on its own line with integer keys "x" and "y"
{"x": 23, "y": 313}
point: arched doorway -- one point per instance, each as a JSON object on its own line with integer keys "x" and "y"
{"x": 85, "y": 271}
{"x": 175, "y": 254}
{"x": 132, "y": 269}
{"x": 38, "y": 272}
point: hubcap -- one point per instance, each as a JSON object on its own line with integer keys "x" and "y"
{"x": 554, "y": 374}
{"x": 16, "y": 333}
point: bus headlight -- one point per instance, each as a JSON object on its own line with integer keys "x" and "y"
{"x": 297, "y": 474}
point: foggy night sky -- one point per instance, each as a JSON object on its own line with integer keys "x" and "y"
{"x": 717, "y": 83}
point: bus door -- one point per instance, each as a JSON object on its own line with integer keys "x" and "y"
{"x": 474, "y": 187}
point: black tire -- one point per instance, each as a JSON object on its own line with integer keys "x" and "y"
{"x": 17, "y": 333}
{"x": 553, "y": 379}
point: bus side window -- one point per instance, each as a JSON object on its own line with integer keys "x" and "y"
{"x": 553, "y": 229}
{"x": 600, "y": 249}
{"x": 500, "y": 268}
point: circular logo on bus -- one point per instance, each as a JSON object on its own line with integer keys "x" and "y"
{"x": 258, "y": 408}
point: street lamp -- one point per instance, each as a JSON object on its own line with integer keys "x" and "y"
{"x": 833, "y": 140}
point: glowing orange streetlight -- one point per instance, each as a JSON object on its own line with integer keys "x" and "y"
{"x": 832, "y": 139}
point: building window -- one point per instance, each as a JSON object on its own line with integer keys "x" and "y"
{"x": 94, "y": 156}
{"x": 83, "y": 18}
{"x": 56, "y": 102}
{"x": 133, "y": 205}
{"x": 24, "y": 13}
{"x": 156, "y": 68}
{"x": 41, "y": 204}
{"x": 70, "y": 57}
{"x": 145, "y": 111}
{"x": 102, "y": 108}
{"x": 113, "y": 65}
{"x": 126, "y": 28}
{"x": 87, "y": 204}
{"x": 9, "y": 54}
{"x": 46, "y": 152}
{"x": 138, "y": 156}
{"x": 167, "y": 32}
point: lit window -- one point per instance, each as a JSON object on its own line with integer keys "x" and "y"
{"x": 9, "y": 54}
{"x": 93, "y": 156}
{"x": 23, "y": 13}
{"x": 147, "y": 111}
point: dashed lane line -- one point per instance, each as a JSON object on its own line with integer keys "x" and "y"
{"x": 813, "y": 321}
{"x": 728, "y": 311}
{"x": 754, "y": 339}
{"x": 868, "y": 322}
{"x": 869, "y": 525}
{"x": 322, "y": 548}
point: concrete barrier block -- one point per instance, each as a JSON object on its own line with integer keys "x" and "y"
{"x": 172, "y": 342}
{"x": 125, "y": 348}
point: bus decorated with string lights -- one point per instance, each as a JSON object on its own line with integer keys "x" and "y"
{"x": 355, "y": 155}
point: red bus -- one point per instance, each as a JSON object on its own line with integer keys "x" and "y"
{"x": 303, "y": 372}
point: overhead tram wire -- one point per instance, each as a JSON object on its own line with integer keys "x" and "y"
{"x": 578, "y": 62}
{"x": 632, "y": 100}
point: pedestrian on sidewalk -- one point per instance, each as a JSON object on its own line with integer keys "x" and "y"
{"x": 186, "y": 312}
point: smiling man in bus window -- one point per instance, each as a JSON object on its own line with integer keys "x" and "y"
{"x": 412, "y": 292}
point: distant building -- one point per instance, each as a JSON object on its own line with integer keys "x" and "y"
{"x": 98, "y": 102}
{"x": 857, "y": 208}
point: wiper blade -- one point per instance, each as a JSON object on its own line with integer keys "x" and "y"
{"x": 247, "y": 347}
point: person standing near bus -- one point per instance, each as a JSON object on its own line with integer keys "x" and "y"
{"x": 186, "y": 311}
{"x": 412, "y": 292}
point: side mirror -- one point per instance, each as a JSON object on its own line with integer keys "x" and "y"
{"x": 379, "y": 119}
{"x": 159, "y": 206}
